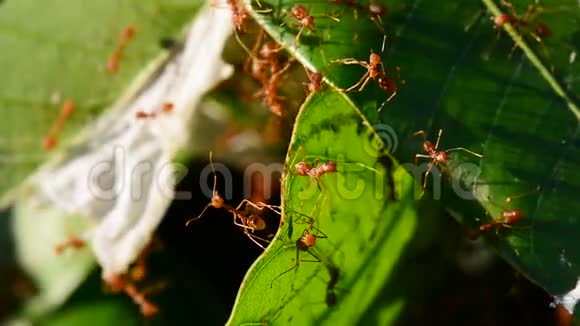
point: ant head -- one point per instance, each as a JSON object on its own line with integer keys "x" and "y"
{"x": 268, "y": 50}
{"x": 167, "y": 107}
{"x": 308, "y": 240}
{"x": 217, "y": 201}
{"x": 303, "y": 168}
{"x": 256, "y": 222}
{"x": 128, "y": 33}
{"x": 299, "y": 12}
{"x": 499, "y": 20}
{"x": 374, "y": 59}
{"x": 239, "y": 16}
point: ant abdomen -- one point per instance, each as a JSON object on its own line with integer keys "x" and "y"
{"x": 512, "y": 216}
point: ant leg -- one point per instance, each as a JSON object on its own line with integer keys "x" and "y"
{"x": 417, "y": 156}
{"x": 351, "y": 61}
{"x": 525, "y": 194}
{"x": 422, "y": 133}
{"x": 510, "y": 7}
{"x": 297, "y": 38}
{"x": 465, "y": 150}
{"x": 255, "y": 239}
{"x": 387, "y": 100}
{"x": 438, "y": 138}
{"x": 364, "y": 84}
{"x": 429, "y": 168}
{"x": 261, "y": 206}
{"x": 293, "y": 267}
{"x": 243, "y": 225}
{"x": 542, "y": 45}
{"x": 199, "y": 216}
{"x": 313, "y": 255}
{"x": 364, "y": 79}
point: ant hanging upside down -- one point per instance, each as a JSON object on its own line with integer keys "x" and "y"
{"x": 249, "y": 223}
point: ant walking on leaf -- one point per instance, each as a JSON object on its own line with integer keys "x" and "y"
{"x": 314, "y": 172}
{"x": 508, "y": 216}
{"x": 249, "y": 223}
{"x": 114, "y": 60}
{"x": 437, "y": 156}
{"x": 385, "y": 82}
{"x": 525, "y": 24}
{"x": 51, "y": 140}
{"x": 305, "y": 21}
{"x": 305, "y": 243}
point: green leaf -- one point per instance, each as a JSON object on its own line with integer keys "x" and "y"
{"x": 55, "y": 50}
{"x": 37, "y": 230}
{"x": 521, "y": 117}
{"x": 98, "y": 312}
{"x": 366, "y": 209}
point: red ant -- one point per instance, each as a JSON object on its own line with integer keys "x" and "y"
{"x": 247, "y": 223}
{"x": 538, "y": 31}
{"x": 126, "y": 36}
{"x": 436, "y": 156}
{"x": 306, "y": 241}
{"x": 385, "y": 82}
{"x": 304, "y": 169}
{"x": 73, "y": 242}
{"x": 304, "y": 19}
{"x": 50, "y": 141}
{"x": 508, "y": 217}
{"x": 119, "y": 283}
{"x": 302, "y": 16}
{"x": 167, "y": 107}
{"x": 315, "y": 83}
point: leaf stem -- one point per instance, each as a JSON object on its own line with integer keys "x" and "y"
{"x": 521, "y": 43}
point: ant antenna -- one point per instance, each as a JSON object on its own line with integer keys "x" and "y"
{"x": 465, "y": 150}
{"x": 384, "y": 42}
{"x": 216, "y": 200}
{"x": 213, "y": 171}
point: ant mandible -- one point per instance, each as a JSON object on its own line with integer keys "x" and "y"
{"x": 385, "y": 82}
{"x": 436, "y": 156}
